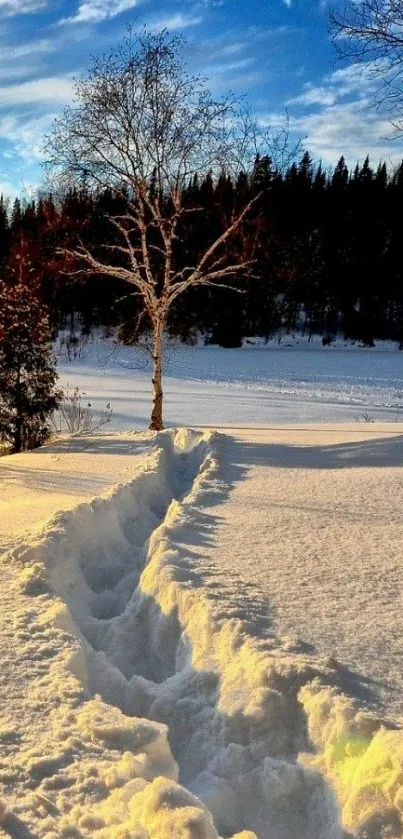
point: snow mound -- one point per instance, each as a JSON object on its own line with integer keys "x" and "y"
{"x": 172, "y": 720}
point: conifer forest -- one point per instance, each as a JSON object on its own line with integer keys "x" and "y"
{"x": 325, "y": 251}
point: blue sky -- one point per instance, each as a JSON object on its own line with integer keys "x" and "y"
{"x": 276, "y": 52}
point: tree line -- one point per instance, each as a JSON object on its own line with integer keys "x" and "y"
{"x": 324, "y": 250}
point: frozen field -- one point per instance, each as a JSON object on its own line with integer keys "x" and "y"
{"x": 253, "y": 385}
{"x": 202, "y": 633}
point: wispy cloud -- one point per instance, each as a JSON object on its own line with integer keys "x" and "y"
{"x": 351, "y": 129}
{"x": 356, "y": 79}
{"x": 313, "y": 95}
{"x": 228, "y": 67}
{"x": 234, "y": 42}
{"x": 229, "y": 50}
{"x": 176, "y": 21}
{"x": 23, "y": 60}
{"x": 22, "y": 137}
{"x": 232, "y": 59}
{"x": 95, "y": 11}
{"x": 53, "y": 91}
{"x": 8, "y": 8}
{"x": 337, "y": 117}
{"x": 19, "y": 56}
{"x": 23, "y": 50}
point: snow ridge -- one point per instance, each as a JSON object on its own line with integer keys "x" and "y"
{"x": 172, "y": 720}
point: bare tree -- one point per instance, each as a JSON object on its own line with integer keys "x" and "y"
{"x": 142, "y": 127}
{"x": 371, "y": 31}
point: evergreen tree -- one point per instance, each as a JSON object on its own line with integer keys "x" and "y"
{"x": 340, "y": 175}
{"x": 326, "y": 249}
{"x": 16, "y": 215}
{"x": 382, "y": 176}
{"x": 4, "y": 229}
{"x": 28, "y": 375}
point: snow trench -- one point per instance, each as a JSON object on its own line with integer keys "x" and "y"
{"x": 189, "y": 727}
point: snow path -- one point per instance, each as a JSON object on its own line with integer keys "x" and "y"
{"x": 124, "y": 599}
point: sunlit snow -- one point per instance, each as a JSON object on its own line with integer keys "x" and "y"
{"x": 201, "y": 632}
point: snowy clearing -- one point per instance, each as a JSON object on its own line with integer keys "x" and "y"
{"x": 255, "y": 385}
{"x": 147, "y": 689}
{"x": 35, "y": 485}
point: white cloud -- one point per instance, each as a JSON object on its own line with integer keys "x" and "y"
{"x": 27, "y": 112}
{"x": 313, "y": 96}
{"x": 355, "y": 79}
{"x": 352, "y": 129}
{"x": 228, "y": 67}
{"x": 337, "y": 117}
{"x": 95, "y": 11}
{"x": 177, "y": 21}
{"x": 9, "y": 8}
{"x": 230, "y": 42}
{"x": 230, "y": 49}
{"x": 9, "y": 190}
{"x": 26, "y": 50}
{"x": 53, "y": 90}
{"x": 21, "y": 60}
{"x": 25, "y": 136}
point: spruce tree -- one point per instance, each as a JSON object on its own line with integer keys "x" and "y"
{"x": 28, "y": 393}
{"x": 16, "y": 215}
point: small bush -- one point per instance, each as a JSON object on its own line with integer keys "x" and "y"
{"x": 75, "y": 416}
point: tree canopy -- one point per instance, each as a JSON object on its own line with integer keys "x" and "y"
{"x": 143, "y": 129}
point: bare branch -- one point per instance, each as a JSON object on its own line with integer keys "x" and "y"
{"x": 142, "y": 128}
{"x": 199, "y": 271}
{"x": 371, "y": 32}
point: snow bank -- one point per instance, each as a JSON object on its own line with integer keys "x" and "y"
{"x": 197, "y": 729}
{"x": 361, "y": 757}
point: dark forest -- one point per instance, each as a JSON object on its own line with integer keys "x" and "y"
{"x": 325, "y": 250}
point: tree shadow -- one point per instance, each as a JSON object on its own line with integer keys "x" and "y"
{"x": 380, "y": 453}
{"x": 16, "y": 829}
{"x": 96, "y": 443}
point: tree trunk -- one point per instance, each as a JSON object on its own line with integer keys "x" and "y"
{"x": 156, "y": 415}
{"x": 17, "y": 444}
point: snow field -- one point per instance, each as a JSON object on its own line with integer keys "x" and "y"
{"x": 150, "y": 684}
{"x": 254, "y": 385}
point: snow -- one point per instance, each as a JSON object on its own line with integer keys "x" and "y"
{"x": 35, "y": 485}
{"x": 320, "y": 510}
{"x": 154, "y": 647}
{"x": 255, "y": 385}
{"x": 201, "y": 632}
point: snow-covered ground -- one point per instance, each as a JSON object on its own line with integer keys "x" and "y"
{"x": 255, "y": 385}
{"x": 155, "y": 602}
{"x": 201, "y": 632}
